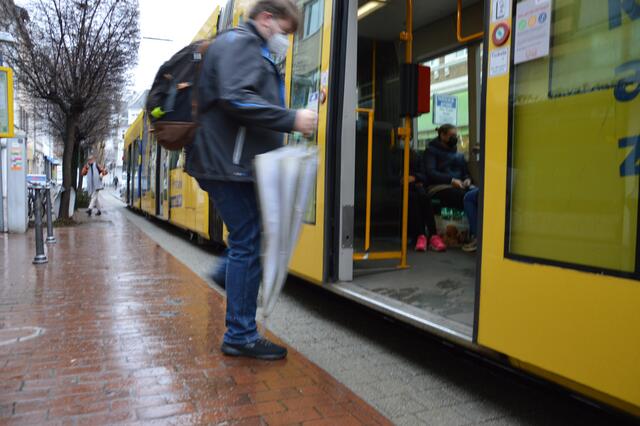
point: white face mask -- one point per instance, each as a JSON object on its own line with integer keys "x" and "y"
{"x": 278, "y": 44}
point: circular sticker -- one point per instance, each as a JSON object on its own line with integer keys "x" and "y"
{"x": 501, "y": 34}
{"x": 542, "y": 17}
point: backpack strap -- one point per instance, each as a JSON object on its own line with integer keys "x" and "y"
{"x": 202, "y": 50}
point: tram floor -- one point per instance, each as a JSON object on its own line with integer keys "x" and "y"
{"x": 437, "y": 287}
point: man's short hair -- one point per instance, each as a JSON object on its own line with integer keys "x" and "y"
{"x": 281, "y": 9}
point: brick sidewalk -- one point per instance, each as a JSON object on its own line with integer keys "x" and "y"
{"x": 115, "y": 330}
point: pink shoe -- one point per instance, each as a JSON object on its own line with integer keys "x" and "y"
{"x": 436, "y": 243}
{"x": 421, "y": 244}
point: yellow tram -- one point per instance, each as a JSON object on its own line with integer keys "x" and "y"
{"x": 546, "y": 97}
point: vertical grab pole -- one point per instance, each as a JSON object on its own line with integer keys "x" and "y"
{"x": 371, "y": 118}
{"x": 407, "y": 37}
{"x": 373, "y": 76}
{"x": 367, "y": 235}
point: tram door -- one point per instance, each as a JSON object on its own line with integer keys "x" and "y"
{"x": 561, "y": 251}
{"x": 307, "y": 75}
{"x": 437, "y": 289}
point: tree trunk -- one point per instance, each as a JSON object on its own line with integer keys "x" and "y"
{"x": 78, "y": 163}
{"x": 67, "y": 165}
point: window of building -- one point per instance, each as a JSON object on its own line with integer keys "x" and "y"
{"x": 449, "y": 99}
{"x": 312, "y": 18}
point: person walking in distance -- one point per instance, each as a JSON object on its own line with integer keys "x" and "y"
{"x": 242, "y": 114}
{"x": 94, "y": 174}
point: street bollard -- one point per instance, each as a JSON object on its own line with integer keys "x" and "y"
{"x": 40, "y": 256}
{"x": 51, "y": 239}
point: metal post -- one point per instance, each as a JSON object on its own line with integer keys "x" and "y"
{"x": 2, "y": 179}
{"x": 51, "y": 239}
{"x": 40, "y": 256}
{"x": 407, "y": 37}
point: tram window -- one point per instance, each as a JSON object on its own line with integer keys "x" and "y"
{"x": 174, "y": 157}
{"x": 449, "y": 76}
{"x": 575, "y": 138}
{"x": 305, "y": 73}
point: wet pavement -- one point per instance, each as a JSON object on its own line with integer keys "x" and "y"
{"x": 409, "y": 376}
{"x": 114, "y": 329}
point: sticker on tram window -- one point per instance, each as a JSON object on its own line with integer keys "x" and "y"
{"x": 533, "y": 30}
{"x": 176, "y": 201}
{"x": 631, "y": 165}
{"x": 324, "y": 78}
{"x": 617, "y": 8}
{"x": 499, "y": 62}
{"x": 605, "y": 27}
{"x": 621, "y": 91}
{"x": 500, "y": 10}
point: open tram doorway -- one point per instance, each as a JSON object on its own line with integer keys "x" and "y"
{"x": 439, "y": 288}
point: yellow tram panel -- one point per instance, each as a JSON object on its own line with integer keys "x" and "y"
{"x": 308, "y": 257}
{"x": 574, "y": 327}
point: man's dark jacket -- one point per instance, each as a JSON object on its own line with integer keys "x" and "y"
{"x": 241, "y": 108}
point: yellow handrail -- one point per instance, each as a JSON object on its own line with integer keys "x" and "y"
{"x": 407, "y": 37}
{"x": 367, "y": 226}
{"x": 469, "y": 38}
{"x": 380, "y": 255}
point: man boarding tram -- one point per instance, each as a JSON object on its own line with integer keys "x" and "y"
{"x": 242, "y": 114}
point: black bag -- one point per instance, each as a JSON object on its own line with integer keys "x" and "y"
{"x": 172, "y": 103}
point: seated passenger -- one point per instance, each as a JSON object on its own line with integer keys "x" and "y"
{"x": 448, "y": 178}
{"x": 421, "y": 215}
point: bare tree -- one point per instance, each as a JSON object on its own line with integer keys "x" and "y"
{"x": 74, "y": 54}
{"x": 96, "y": 124}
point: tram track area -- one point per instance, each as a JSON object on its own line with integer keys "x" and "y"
{"x": 410, "y": 376}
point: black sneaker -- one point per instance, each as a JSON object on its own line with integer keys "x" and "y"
{"x": 260, "y": 349}
{"x": 89, "y": 212}
{"x": 99, "y": 213}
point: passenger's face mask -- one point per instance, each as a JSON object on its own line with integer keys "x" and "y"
{"x": 278, "y": 43}
{"x": 453, "y": 140}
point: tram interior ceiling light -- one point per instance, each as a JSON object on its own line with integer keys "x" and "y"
{"x": 370, "y": 7}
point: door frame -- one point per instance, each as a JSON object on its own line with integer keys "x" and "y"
{"x": 341, "y": 155}
{"x": 311, "y": 259}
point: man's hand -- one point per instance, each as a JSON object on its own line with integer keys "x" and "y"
{"x": 467, "y": 183}
{"x": 306, "y": 122}
{"x": 457, "y": 183}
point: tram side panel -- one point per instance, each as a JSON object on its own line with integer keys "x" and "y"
{"x": 559, "y": 291}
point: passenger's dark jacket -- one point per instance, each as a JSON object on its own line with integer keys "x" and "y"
{"x": 442, "y": 163}
{"x": 396, "y": 166}
{"x": 241, "y": 104}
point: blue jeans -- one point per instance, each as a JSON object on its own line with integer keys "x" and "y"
{"x": 219, "y": 275}
{"x": 471, "y": 210}
{"x": 238, "y": 207}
